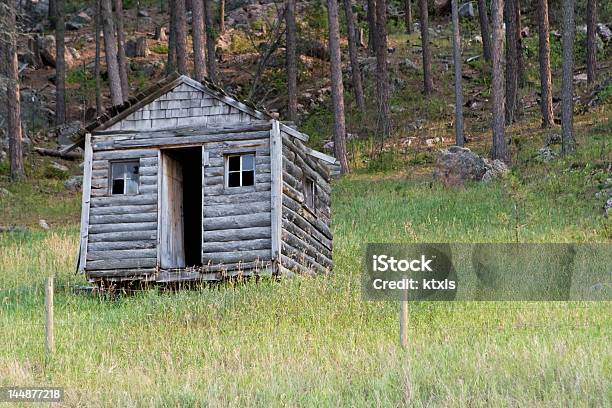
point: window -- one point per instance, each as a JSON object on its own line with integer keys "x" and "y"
{"x": 124, "y": 177}
{"x": 310, "y": 190}
{"x": 240, "y": 170}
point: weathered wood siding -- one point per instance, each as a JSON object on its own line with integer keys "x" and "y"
{"x": 183, "y": 106}
{"x": 306, "y": 245}
{"x": 236, "y": 221}
{"x": 122, "y": 232}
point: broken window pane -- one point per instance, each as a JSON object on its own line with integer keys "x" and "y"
{"x": 125, "y": 177}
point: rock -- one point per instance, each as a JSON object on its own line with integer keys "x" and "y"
{"x": 47, "y": 52}
{"x": 546, "y": 154}
{"x": 495, "y": 168}
{"x": 74, "y": 183}
{"x": 608, "y": 207}
{"x": 525, "y": 32}
{"x": 467, "y": 11}
{"x": 442, "y": 7}
{"x": 456, "y": 165}
{"x": 329, "y": 145}
{"x": 4, "y": 193}
{"x": 477, "y": 39}
{"x": 82, "y": 17}
{"x": 552, "y": 139}
{"x": 72, "y": 26}
{"x": 43, "y": 224}
{"x": 143, "y": 13}
{"x": 433, "y": 141}
{"x": 137, "y": 48}
{"x": 604, "y": 32}
{"x": 407, "y": 63}
{"x": 59, "y": 167}
{"x": 580, "y": 77}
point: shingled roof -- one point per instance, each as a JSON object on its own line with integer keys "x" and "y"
{"x": 118, "y": 112}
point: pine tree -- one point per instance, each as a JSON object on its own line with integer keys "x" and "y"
{"x": 337, "y": 87}
{"x": 567, "y": 85}
{"x": 499, "y": 150}
{"x": 459, "y": 138}
{"x": 291, "y": 60}
{"x": 546, "y": 104}
{"x": 427, "y": 75}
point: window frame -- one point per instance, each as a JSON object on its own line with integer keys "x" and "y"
{"x": 111, "y": 178}
{"x": 226, "y": 170}
{"x": 310, "y": 186}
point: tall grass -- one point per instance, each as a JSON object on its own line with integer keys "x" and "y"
{"x": 315, "y": 341}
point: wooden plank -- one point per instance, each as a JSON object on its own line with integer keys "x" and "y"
{"x": 120, "y": 273}
{"x": 237, "y": 221}
{"x": 86, "y": 200}
{"x": 122, "y": 227}
{"x": 209, "y": 129}
{"x": 124, "y": 154}
{"x": 123, "y": 236}
{"x": 237, "y": 199}
{"x": 321, "y": 156}
{"x": 276, "y": 205}
{"x": 222, "y": 190}
{"x": 174, "y": 140}
{"x": 123, "y": 209}
{"x": 290, "y": 131}
{"x": 124, "y": 218}
{"x": 237, "y": 256}
{"x": 237, "y": 234}
{"x": 109, "y": 246}
{"x": 122, "y": 263}
{"x": 299, "y": 209}
{"x": 228, "y": 246}
{"x": 118, "y": 200}
{"x": 121, "y": 254}
{"x": 232, "y": 209}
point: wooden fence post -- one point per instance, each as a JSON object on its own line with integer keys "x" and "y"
{"x": 404, "y": 319}
{"x": 49, "y": 340}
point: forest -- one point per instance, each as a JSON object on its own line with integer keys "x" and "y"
{"x": 450, "y": 121}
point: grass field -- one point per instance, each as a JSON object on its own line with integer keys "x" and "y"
{"x": 315, "y": 341}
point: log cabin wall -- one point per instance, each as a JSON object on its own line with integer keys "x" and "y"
{"x": 236, "y": 220}
{"x": 306, "y": 238}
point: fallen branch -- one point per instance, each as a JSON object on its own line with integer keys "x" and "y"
{"x": 56, "y": 153}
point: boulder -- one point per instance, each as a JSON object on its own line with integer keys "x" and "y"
{"x": 552, "y": 139}
{"x": 546, "y": 154}
{"x": 43, "y": 224}
{"x": 495, "y": 168}
{"x": 73, "y": 26}
{"x": 143, "y": 13}
{"x": 4, "y": 192}
{"x": 137, "y": 48}
{"x": 608, "y": 207}
{"x": 604, "y": 32}
{"x": 456, "y": 165}
{"x": 81, "y": 17}
{"x": 467, "y": 11}
{"x": 74, "y": 183}
{"x": 47, "y": 52}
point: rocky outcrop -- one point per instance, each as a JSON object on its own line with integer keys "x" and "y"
{"x": 456, "y": 165}
{"x": 46, "y": 48}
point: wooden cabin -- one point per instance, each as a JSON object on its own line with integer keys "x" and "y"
{"x": 184, "y": 182}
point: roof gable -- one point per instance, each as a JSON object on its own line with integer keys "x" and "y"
{"x": 182, "y": 94}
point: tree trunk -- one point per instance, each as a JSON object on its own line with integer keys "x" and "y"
{"x": 520, "y": 74}
{"x": 352, "y": 45}
{"x": 511, "y": 61}
{"x": 427, "y": 77}
{"x": 591, "y": 21}
{"x": 110, "y": 51}
{"x": 484, "y": 29}
{"x": 499, "y": 150}
{"x": 199, "y": 56}
{"x": 408, "y": 16}
{"x": 122, "y": 60}
{"x": 222, "y": 16}
{"x": 12, "y": 91}
{"x": 372, "y": 26}
{"x": 567, "y": 85}
{"x": 291, "y": 60}
{"x": 337, "y": 87}
{"x": 51, "y": 13}
{"x": 382, "y": 75}
{"x": 546, "y": 104}
{"x": 97, "y": 59}
{"x": 459, "y": 139}
{"x": 180, "y": 37}
{"x": 171, "y": 57}
{"x": 210, "y": 42}
{"x": 60, "y": 65}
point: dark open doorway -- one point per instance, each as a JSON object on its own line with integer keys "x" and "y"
{"x": 181, "y": 229}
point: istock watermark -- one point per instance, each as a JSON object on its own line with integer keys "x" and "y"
{"x": 522, "y": 272}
